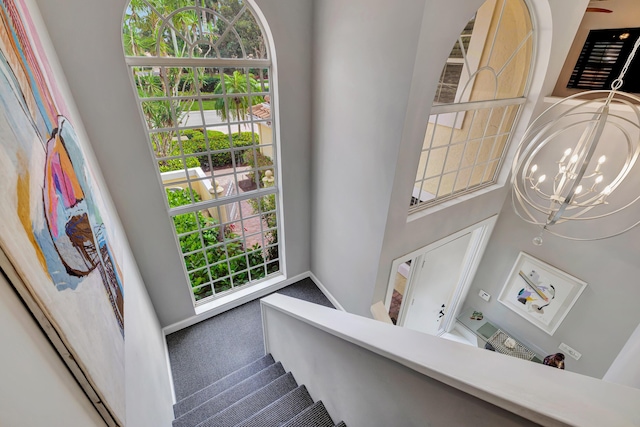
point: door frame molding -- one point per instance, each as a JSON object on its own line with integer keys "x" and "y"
{"x": 480, "y": 234}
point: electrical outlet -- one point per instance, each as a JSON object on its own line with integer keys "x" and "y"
{"x": 571, "y": 352}
{"x": 485, "y": 296}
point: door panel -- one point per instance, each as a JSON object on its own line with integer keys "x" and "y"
{"x": 437, "y": 279}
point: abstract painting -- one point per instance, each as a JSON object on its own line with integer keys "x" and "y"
{"x": 540, "y": 293}
{"x": 54, "y": 226}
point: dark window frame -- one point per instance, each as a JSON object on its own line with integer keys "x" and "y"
{"x": 602, "y": 58}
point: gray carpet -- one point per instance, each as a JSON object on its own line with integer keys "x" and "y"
{"x": 280, "y": 411}
{"x": 253, "y": 403}
{"x": 204, "y": 353}
{"x": 196, "y": 399}
{"x": 315, "y": 415}
{"x": 230, "y": 396}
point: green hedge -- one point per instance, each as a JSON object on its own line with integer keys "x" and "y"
{"x": 220, "y": 263}
{"x": 176, "y": 164}
{"x": 217, "y": 141}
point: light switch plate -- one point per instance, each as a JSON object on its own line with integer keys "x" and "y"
{"x": 485, "y": 296}
{"x": 571, "y": 352}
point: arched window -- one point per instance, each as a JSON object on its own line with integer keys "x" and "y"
{"x": 478, "y": 99}
{"x": 201, "y": 71}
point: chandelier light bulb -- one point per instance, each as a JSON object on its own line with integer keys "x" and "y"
{"x": 570, "y": 205}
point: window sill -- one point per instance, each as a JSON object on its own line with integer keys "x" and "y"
{"x": 240, "y": 297}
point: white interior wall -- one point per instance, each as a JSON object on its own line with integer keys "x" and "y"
{"x": 362, "y": 143}
{"x": 556, "y": 23}
{"x": 625, "y": 369}
{"x": 416, "y": 379}
{"x": 94, "y": 64}
{"x": 147, "y": 383}
{"x": 605, "y": 315}
{"x": 367, "y": 131}
{"x": 148, "y": 392}
{"x": 363, "y": 62}
{"x": 36, "y": 388}
{"x": 363, "y": 388}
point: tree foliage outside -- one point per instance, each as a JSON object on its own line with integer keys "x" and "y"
{"x": 237, "y": 86}
{"x": 208, "y": 260}
{"x": 216, "y": 257}
{"x": 192, "y": 32}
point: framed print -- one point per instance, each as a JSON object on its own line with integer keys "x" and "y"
{"x": 540, "y": 293}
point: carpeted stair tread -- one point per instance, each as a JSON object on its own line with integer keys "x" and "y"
{"x": 253, "y": 403}
{"x": 201, "y": 396}
{"x": 230, "y": 396}
{"x": 280, "y": 411}
{"x": 315, "y": 415}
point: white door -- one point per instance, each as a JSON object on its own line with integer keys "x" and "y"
{"x": 437, "y": 279}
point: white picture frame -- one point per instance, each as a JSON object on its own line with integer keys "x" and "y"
{"x": 540, "y": 293}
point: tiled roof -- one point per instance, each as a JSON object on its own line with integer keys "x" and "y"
{"x": 262, "y": 111}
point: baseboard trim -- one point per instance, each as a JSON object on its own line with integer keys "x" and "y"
{"x": 166, "y": 356}
{"x": 236, "y": 302}
{"x": 326, "y": 292}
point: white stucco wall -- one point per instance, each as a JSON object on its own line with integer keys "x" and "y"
{"x": 605, "y": 315}
{"x": 625, "y": 368}
{"x": 373, "y": 143}
{"x": 364, "y": 54}
{"x": 36, "y": 387}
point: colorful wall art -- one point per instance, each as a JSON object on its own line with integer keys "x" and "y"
{"x": 540, "y": 293}
{"x": 54, "y": 227}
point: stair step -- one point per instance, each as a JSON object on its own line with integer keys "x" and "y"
{"x": 282, "y": 410}
{"x": 253, "y": 403}
{"x": 230, "y": 396}
{"x": 201, "y": 396}
{"x": 315, "y": 415}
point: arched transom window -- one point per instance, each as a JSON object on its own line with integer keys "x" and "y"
{"x": 201, "y": 70}
{"x": 478, "y": 99}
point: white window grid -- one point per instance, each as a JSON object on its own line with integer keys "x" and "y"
{"x": 462, "y": 180}
{"x": 454, "y": 67}
{"x": 226, "y": 279}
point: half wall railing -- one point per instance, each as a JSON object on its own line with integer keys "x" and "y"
{"x": 370, "y": 373}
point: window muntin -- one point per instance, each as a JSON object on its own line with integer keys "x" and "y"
{"x": 453, "y": 68}
{"x": 466, "y": 140}
{"x": 201, "y": 72}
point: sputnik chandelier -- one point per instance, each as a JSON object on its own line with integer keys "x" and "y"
{"x": 572, "y": 169}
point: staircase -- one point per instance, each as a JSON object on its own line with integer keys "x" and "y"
{"x": 260, "y": 394}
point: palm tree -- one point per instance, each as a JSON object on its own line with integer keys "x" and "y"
{"x": 237, "y": 87}
{"x": 142, "y": 26}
